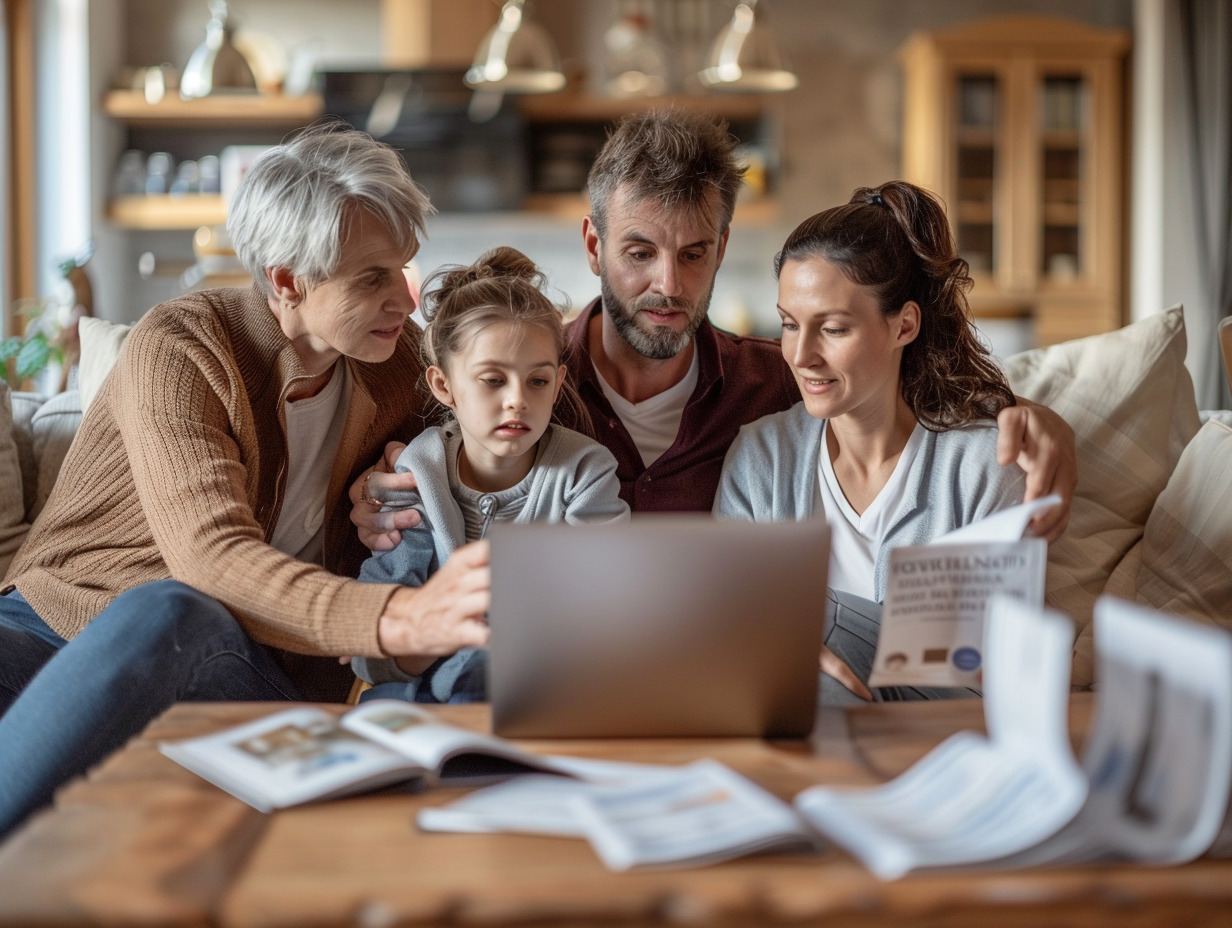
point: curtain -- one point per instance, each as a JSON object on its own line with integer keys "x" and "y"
{"x": 1206, "y": 34}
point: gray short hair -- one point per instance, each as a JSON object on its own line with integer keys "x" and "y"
{"x": 292, "y": 206}
{"x": 671, "y": 157}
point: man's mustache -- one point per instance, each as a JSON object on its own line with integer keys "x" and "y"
{"x": 666, "y": 302}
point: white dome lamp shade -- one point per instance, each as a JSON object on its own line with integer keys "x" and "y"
{"x": 216, "y": 65}
{"x": 516, "y": 56}
{"x": 745, "y": 58}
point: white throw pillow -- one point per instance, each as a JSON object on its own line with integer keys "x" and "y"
{"x": 1130, "y": 401}
{"x": 101, "y": 342}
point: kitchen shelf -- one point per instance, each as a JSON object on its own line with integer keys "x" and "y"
{"x": 584, "y": 107}
{"x": 241, "y": 110}
{"x": 189, "y": 211}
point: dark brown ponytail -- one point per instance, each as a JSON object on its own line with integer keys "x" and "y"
{"x": 896, "y": 240}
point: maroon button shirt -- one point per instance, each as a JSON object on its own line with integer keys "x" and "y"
{"x": 740, "y": 378}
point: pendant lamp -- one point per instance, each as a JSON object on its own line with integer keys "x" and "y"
{"x": 744, "y": 56}
{"x": 516, "y": 56}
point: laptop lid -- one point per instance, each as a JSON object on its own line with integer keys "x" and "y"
{"x": 675, "y": 625}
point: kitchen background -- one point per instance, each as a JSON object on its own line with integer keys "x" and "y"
{"x": 840, "y": 129}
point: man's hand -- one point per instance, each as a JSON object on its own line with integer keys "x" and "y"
{"x": 1043, "y": 445}
{"x": 832, "y": 665}
{"x": 443, "y": 615}
{"x": 381, "y": 531}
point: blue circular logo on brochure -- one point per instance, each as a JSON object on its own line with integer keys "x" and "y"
{"x": 966, "y": 658}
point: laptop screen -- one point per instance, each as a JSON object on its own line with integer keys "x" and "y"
{"x": 675, "y": 625}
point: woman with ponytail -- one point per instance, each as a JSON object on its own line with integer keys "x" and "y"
{"x": 895, "y": 440}
{"x": 492, "y": 350}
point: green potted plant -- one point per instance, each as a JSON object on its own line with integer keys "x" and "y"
{"x": 27, "y": 356}
{"x": 40, "y": 357}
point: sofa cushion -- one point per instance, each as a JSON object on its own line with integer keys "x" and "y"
{"x": 1187, "y": 547}
{"x": 101, "y": 342}
{"x": 1130, "y": 401}
{"x": 13, "y": 524}
{"x": 25, "y": 405}
{"x": 53, "y": 428}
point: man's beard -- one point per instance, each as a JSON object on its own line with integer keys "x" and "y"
{"x": 661, "y": 342}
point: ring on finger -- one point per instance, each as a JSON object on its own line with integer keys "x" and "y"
{"x": 364, "y": 494}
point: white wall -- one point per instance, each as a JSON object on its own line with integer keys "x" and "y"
{"x": 63, "y": 137}
{"x": 1164, "y": 264}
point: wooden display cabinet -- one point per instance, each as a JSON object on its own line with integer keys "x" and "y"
{"x": 1017, "y": 123}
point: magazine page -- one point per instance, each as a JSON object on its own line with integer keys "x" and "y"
{"x": 448, "y": 752}
{"x": 290, "y": 757}
{"x": 533, "y": 804}
{"x": 1004, "y": 525}
{"x": 932, "y": 624}
{"x": 701, "y": 813}
{"x": 1159, "y": 757}
{"x": 975, "y": 798}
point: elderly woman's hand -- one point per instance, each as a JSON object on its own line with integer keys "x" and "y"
{"x": 381, "y": 531}
{"x": 443, "y": 615}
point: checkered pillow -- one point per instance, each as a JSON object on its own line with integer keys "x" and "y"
{"x": 1187, "y": 548}
{"x": 1130, "y": 401}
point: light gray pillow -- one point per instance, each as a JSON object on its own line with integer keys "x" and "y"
{"x": 13, "y": 525}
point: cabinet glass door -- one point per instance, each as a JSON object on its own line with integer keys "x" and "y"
{"x": 977, "y": 169}
{"x": 1063, "y": 119}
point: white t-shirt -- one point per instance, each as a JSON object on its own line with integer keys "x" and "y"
{"x": 653, "y": 423}
{"x": 855, "y": 539}
{"x": 314, "y": 430}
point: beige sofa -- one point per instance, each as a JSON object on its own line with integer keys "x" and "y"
{"x": 35, "y": 432}
{"x": 1151, "y": 519}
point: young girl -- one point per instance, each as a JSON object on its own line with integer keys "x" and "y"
{"x": 492, "y": 348}
{"x": 895, "y": 440}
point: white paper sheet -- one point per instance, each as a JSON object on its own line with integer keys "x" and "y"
{"x": 975, "y": 797}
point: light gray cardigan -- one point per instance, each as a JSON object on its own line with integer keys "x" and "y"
{"x": 574, "y": 481}
{"x": 770, "y": 475}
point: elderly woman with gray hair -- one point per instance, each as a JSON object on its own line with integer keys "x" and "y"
{"x": 197, "y": 545}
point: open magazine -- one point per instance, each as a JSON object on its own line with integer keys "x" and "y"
{"x": 1154, "y": 785}
{"x": 932, "y": 622}
{"x": 304, "y": 754}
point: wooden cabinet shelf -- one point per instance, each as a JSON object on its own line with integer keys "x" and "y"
{"x": 251, "y": 110}
{"x": 244, "y": 112}
{"x": 1016, "y": 122}
{"x": 167, "y": 212}
{"x": 972, "y": 213}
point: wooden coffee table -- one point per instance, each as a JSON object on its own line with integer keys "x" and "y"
{"x": 144, "y": 842}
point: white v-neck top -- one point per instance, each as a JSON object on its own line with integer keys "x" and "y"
{"x": 654, "y": 423}
{"x": 856, "y": 538}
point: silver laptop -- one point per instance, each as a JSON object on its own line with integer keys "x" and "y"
{"x": 665, "y": 626}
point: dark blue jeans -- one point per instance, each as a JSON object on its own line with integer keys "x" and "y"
{"x": 65, "y": 706}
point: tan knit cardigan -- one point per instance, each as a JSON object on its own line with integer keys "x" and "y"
{"x": 179, "y": 468}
